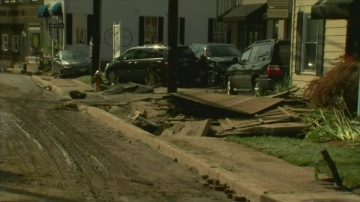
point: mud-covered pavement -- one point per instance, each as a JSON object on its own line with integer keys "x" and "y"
{"x": 50, "y": 152}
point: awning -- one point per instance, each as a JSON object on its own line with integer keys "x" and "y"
{"x": 56, "y": 9}
{"x": 336, "y": 9}
{"x": 43, "y": 11}
{"x": 243, "y": 12}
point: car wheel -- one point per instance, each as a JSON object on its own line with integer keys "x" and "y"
{"x": 151, "y": 78}
{"x": 111, "y": 76}
{"x": 230, "y": 89}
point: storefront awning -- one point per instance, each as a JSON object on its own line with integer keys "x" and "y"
{"x": 242, "y": 12}
{"x": 56, "y": 9}
{"x": 43, "y": 11}
{"x": 336, "y": 9}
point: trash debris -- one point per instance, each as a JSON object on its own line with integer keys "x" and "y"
{"x": 74, "y": 94}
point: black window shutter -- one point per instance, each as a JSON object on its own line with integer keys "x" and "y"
{"x": 320, "y": 48}
{"x": 161, "y": 30}
{"x": 69, "y": 28}
{"x": 90, "y": 28}
{"x": 182, "y": 31}
{"x": 210, "y": 29}
{"x": 141, "y": 30}
{"x": 299, "y": 28}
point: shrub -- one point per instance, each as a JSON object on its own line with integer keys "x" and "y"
{"x": 341, "y": 80}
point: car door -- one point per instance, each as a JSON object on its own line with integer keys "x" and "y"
{"x": 128, "y": 61}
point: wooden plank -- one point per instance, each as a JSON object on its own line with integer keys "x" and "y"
{"x": 241, "y": 104}
{"x": 196, "y": 128}
{"x": 286, "y": 128}
{"x": 226, "y": 124}
{"x": 288, "y": 113}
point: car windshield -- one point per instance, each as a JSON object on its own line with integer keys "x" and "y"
{"x": 74, "y": 55}
{"x": 222, "y": 51}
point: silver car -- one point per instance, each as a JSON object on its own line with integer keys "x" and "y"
{"x": 71, "y": 62}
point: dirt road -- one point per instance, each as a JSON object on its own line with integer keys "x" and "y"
{"x": 51, "y": 152}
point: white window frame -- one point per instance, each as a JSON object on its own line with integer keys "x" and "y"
{"x": 306, "y": 43}
{"x": 5, "y": 42}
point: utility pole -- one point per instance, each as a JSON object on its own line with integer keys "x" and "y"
{"x": 173, "y": 42}
{"x": 96, "y": 37}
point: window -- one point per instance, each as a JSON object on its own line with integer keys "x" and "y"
{"x": 151, "y": 30}
{"x": 15, "y": 43}
{"x": 254, "y": 54}
{"x": 311, "y": 44}
{"x": 4, "y": 42}
{"x": 219, "y": 32}
{"x": 129, "y": 55}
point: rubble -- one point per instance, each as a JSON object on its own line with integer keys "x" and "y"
{"x": 273, "y": 116}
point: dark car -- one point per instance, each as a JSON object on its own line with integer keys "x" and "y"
{"x": 71, "y": 62}
{"x": 262, "y": 65}
{"x": 214, "y": 59}
{"x": 148, "y": 64}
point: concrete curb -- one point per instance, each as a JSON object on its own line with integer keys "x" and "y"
{"x": 171, "y": 151}
{"x": 43, "y": 83}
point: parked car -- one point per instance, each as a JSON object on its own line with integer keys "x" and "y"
{"x": 214, "y": 59}
{"x": 262, "y": 65}
{"x": 148, "y": 64}
{"x": 71, "y": 62}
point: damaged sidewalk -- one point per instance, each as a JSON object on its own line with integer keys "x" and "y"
{"x": 242, "y": 173}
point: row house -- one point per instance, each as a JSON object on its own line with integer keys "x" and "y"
{"x": 323, "y": 30}
{"x": 251, "y": 20}
{"x": 142, "y": 21}
{"x": 19, "y": 31}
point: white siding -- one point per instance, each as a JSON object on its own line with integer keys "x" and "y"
{"x": 196, "y": 13}
{"x": 335, "y": 40}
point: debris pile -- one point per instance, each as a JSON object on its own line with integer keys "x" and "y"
{"x": 249, "y": 115}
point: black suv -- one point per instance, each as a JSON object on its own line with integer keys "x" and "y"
{"x": 214, "y": 59}
{"x": 148, "y": 64}
{"x": 262, "y": 65}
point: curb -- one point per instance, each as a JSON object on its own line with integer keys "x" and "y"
{"x": 43, "y": 83}
{"x": 171, "y": 151}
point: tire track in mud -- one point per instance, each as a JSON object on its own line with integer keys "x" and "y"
{"x": 17, "y": 138}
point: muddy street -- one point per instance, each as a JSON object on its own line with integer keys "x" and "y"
{"x": 52, "y": 152}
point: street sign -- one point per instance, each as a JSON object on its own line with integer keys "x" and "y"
{"x": 56, "y": 25}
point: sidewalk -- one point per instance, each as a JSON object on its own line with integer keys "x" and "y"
{"x": 251, "y": 175}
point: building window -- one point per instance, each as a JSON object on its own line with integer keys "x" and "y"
{"x": 219, "y": 32}
{"x": 12, "y": 1}
{"x": 151, "y": 30}
{"x": 4, "y": 42}
{"x": 15, "y": 43}
{"x": 311, "y": 49}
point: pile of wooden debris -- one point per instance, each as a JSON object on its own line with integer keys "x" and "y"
{"x": 248, "y": 115}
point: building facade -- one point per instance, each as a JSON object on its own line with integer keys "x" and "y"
{"x": 20, "y": 35}
{"x": 320, "y": 36}
{"x": 142, "y": 21}
{"x": 252, "y": 20}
